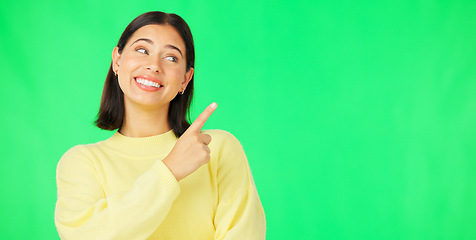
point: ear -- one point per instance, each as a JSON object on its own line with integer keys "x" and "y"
{"x": 188, "y": 76}
{"x": 116, "y": 56}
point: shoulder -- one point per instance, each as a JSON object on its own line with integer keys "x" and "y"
{"x": 84, "y": 150}
{"x": 224, "y": 143}
{"x": 79, "y": 155}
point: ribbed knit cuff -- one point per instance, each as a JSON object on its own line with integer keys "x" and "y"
{"x": 166, "y": 178}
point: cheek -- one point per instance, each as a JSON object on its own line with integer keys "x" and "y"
{"x": 128, "y": 63}
{"x": 126, "y": 67}
{"x": 172, "y": 74}
{"x": 179, "y": 73}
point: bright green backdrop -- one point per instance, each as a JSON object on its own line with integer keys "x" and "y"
{"x": 358, "y": 117}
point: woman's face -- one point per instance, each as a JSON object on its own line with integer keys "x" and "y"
{"x": 152, "y": 66}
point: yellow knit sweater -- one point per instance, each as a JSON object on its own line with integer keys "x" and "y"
{"x": 120, "y": 189}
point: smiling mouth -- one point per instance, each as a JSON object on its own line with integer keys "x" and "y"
{"x": 147, "y": 83}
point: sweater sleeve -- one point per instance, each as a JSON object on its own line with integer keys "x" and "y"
{"x": 83, "y": 211}
{"x": 239, "y": 214}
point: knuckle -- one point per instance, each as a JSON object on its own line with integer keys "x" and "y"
{"x": 195, "y": 138}
{"x": 200, "y": 119}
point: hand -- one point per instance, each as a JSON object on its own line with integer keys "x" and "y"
{"x": 191, "y": 150}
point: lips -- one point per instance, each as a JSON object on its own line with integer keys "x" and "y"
{"x": 148, "y": 83}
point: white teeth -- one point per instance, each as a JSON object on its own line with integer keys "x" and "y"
{"x": 148, "y": 83}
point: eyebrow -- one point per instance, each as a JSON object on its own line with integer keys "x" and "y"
{"x": 152, "y": 42}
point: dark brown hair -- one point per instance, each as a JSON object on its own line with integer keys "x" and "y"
{"x": 111, "y": 112}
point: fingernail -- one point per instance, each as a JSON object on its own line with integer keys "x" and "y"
{"x": 213, "y": 105}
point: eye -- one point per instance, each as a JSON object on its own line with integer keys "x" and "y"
{"x": 142, "y": 50}
{"x": 171, "y": 58}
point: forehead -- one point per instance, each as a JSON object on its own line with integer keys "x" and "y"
{"x": 159, "y": 34}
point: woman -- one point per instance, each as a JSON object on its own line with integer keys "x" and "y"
{"x": 157, "y": 177}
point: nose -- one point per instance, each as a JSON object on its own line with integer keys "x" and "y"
{"x": 153, "y": 64}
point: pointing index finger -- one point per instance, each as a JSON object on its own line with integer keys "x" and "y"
{"x": 202, "y": 118}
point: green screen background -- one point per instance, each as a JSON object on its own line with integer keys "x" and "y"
{"x": 358, "y": 117}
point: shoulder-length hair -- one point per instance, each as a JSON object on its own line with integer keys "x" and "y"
{"x": 111, "y": 111}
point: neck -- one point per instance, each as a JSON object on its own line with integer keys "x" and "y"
{"x": 140, "y": 121}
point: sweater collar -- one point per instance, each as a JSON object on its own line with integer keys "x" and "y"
{"x": 142, "y": 146}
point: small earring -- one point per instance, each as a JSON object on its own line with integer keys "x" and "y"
{"x": 181, "y": 93}
{"x": 115, "y": 73}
